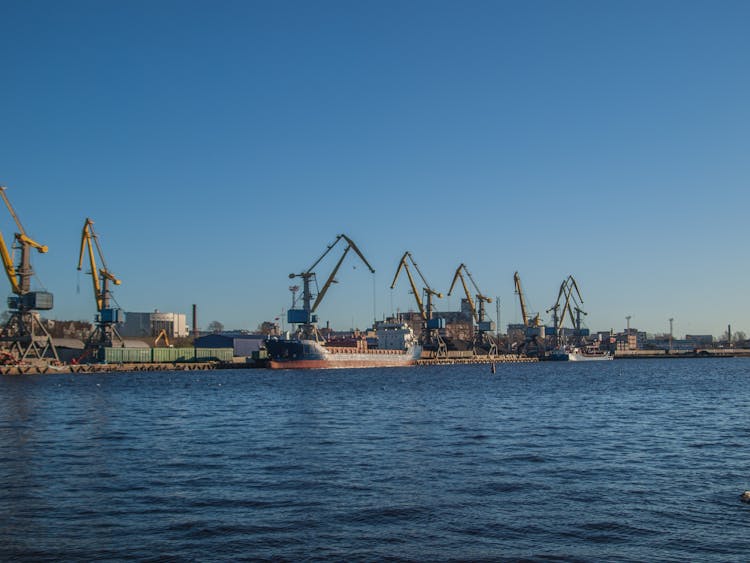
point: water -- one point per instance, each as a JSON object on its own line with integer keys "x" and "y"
{"x": 617, "y": 461}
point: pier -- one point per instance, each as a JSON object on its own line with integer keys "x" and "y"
{"x": 502, "y": 359}
{"x": 49, "y": 369}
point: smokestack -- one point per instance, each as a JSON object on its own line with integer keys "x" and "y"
{"x": 195, "y": 321}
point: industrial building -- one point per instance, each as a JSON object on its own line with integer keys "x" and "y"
{"x": 140, "y": 325}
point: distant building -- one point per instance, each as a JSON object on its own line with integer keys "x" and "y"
{"x": 700, "y": 340}
{"x": 147, "y": 325}
{"x": 664, "y": 342}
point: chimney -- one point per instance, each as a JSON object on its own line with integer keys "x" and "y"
{"x": 195, "y": 321}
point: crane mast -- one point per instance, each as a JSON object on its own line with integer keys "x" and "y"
{"x": 305, "y": 318}
{"x": 105, "y": 332}
{"x": 23, "y": 334}
{"x": 482, "y": 335}
{"x": 430, "y": 333}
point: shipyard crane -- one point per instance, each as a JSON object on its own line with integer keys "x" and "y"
{"x": 527, "y": 322}
{"x": 105, "y": 332}
{"x": 484, "y": 328}
{"x": 430, "y": 334}
{"x": 533, "y": 328}
{"x": 568, "y": 299}
{"x": 23, "y": 334}
{"x": 306, "y": 317}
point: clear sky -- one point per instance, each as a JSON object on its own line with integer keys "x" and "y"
{"x": 220, "y": 146}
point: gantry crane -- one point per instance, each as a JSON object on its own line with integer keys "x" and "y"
{"x": 533, "y": 327}
{"x": 430, "y": 334}
{"x": 482, "y": 336}
{"x": 24, "y": 334}
{"x": 105, "y": 332}
{"x": 568, "y": 300}
{"x": 305, "y": 318}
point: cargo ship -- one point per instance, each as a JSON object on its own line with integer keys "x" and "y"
{"x": 395, "y": 347}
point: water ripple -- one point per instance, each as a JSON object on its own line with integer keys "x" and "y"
{"x": 629, "y": 461}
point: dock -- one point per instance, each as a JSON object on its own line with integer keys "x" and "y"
{"x": 502, "y": 359}
{"x": 49, "y": 369}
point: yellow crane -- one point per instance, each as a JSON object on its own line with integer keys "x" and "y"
{"x": 430, "y": 336}
{"x": 527, "y": 322}
{"x": 484, "y": 328}
{"x": 105, "y": 331}
{"x": 24, "y": 333}
{"x": 306, "y": 317}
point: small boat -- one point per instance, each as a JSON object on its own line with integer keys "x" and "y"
{"x": 575, "y": 354}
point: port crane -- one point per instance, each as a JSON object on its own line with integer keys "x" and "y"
{"x": 482, "y": 337}
{"x": 306, "y": 317}
{"x": 23, "y": 334}
{"x": 533, "y": 327}
{"x": 430, "y": 334}
{"x": 105, "y": 332}
{"x": 568, "y": 302}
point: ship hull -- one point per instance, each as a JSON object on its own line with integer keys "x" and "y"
{"x": 296, "y": 354}
{"x": 334, "y": 363}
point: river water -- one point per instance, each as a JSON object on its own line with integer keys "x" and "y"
{"x": 619, "y": 461}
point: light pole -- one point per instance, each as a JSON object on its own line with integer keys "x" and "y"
{"x": 497, "y": 328}
{"x": 671, "y": 320}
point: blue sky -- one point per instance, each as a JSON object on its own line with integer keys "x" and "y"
{"x": 220, "y": 146}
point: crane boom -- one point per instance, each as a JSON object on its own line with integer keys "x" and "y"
{"x": 329, "y": 281}
{"x": 519, "y": 292}
{"x": 9, "y": 267}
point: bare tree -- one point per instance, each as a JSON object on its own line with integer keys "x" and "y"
{"x": 215, "y": 326}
